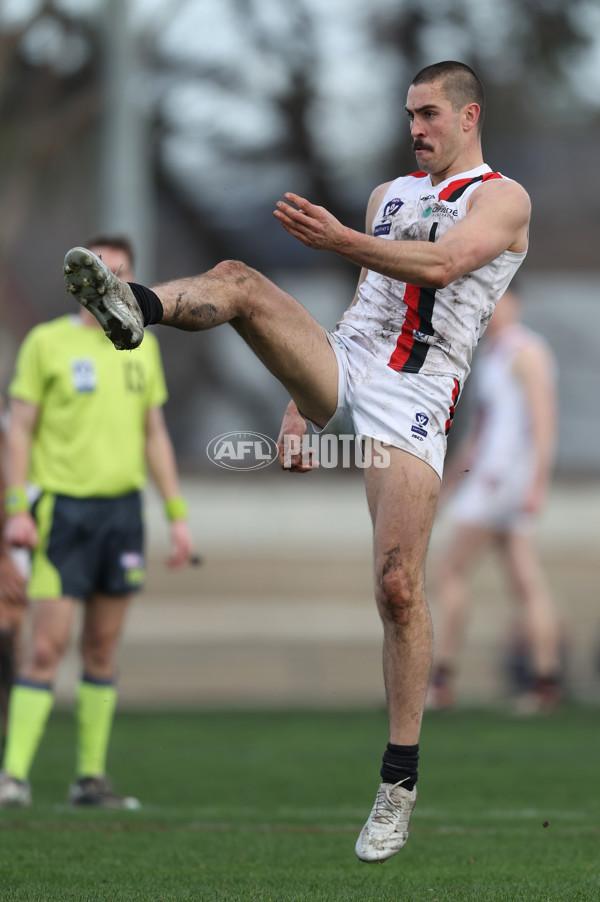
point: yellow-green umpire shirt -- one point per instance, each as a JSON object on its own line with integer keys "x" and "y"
{"x": 90, "y": 434}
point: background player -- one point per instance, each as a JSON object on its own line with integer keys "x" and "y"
{"x": 84, "y": 423}
{"x": 501, "y": 475}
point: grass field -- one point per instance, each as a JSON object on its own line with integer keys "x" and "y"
{"x": 267, "y": 805}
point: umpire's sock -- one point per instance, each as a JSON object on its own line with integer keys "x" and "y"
{"x": 28, "y": 711}
{"x": 96, "y": 702}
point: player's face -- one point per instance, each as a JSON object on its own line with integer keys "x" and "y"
{"x": 116, "y": 260}
{"x": 435, "y": 128}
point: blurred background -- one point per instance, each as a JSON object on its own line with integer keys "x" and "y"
{"x": 181, "y": 123}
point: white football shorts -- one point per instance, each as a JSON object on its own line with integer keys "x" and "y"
{"x": 493, "y": 500}
{"x": 410, "y": 411}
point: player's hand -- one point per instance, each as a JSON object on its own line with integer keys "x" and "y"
{"x": 20, "y": 530}
{"x": 289, "y": 443}
{"x": 534, "y": 499}
{"x": 181, "y": 544}
{"x": 313, "y": 226}
{"x": 12, "y": 583}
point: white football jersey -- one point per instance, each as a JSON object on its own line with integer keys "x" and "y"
{"x": 424, "y": 330}
{"x": 503, "y": 422}
{"x": 493, "y": 492}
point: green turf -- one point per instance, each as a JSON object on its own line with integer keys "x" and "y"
{"x": 260, "y": 806}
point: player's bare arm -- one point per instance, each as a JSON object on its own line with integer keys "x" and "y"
{"x": 534, "y": 368}
{"x": 20, "y": 529}
{"x": 12, "y": 582}
{"x": 497, "y": 220}
{"x": 292, "y": 457}
{"x": 161, "y": 463}
{"x": 375, "y": 200}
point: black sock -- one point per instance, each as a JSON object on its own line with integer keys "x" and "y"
{"x": 149, "y": 303}
{"x": 544, "y": 685}
{"x": 400, "y": 762}
{"x": 442, "y": 675}
{"x": 7, "y": 677}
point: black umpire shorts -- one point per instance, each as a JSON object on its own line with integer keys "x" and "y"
{"x": 87, "y": 545}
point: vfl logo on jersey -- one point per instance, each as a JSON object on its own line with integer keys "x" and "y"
{"x": 83, "y": 374}
{"x": 390, "y": 210}
{"x": 418, "y": 427}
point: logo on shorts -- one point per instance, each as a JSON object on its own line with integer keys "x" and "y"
{"x": 242, "y": 451}
{"x": 131, "y": 559}
{"x": 132, "y": 563}
{"x": 418, "y": 427}
{"x": 83, "y": 374}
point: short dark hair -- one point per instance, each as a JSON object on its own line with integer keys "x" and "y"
{"x": 117, "y": 242}
{"x": 461, "y": 84}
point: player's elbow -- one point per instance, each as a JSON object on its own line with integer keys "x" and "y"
{"x": 437, "y": 269}
{"x": 439, "y": 276}
{"x": 445, "y": 270}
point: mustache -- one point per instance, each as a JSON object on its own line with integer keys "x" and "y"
{"x": 420, "y": 145}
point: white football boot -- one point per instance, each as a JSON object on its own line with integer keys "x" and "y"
{"x": 109, "y": 299}
{"x": 386, "y": 830}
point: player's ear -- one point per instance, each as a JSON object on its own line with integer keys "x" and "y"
{"x": 471, "y": 113}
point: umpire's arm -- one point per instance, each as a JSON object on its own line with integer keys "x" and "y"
{"x": 160, "y": 457}
{"x": 20, "y": 528}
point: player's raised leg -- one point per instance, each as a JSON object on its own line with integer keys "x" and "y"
{"x": 291, "y": 344}
{"x": 402, "y": 500}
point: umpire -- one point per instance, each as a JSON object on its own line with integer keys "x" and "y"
{"x": 85, "y": 421}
